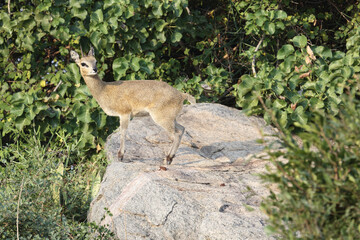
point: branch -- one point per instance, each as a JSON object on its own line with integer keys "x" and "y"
{"x": 256, "y": 49}
{"x": 57, "y": 86}
{"x": 9, "y": 7}
{"x": 341, "y": 13}
{"x": 18, "y": 206}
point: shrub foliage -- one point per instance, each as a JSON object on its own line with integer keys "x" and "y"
{"x": 319, "y": 180}
{"x": 210, "y": 50}
{"x": 41, "y": 89}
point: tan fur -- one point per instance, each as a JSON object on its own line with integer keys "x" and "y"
{"x": 127, "y": 98}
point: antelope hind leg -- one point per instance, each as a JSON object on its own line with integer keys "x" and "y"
{"x": 177, "y": 135}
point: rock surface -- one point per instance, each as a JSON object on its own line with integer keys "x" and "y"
{"x": 211, "y": 190}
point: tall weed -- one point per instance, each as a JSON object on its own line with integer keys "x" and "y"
{"x": 46, "y": 189}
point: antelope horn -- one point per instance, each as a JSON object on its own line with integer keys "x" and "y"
{"x": 82, "y": 54}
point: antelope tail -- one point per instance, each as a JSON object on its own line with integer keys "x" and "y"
{"x": 190, "y": 98}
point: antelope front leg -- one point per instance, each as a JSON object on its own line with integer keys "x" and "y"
{"x": 124, "y": 123}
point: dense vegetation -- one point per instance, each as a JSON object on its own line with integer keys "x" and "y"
{"x": 319, "y": 184}
{"x": 290, "y": 61}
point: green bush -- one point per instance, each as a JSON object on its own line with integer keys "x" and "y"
{"x": 46, "y": 190}
{"x": 204, "y": 49}
{"x": 306, "y": 79}
{"x": 42, "y": 89}
{"x": 294, "y": 76}
{"x": 318, "y": 180}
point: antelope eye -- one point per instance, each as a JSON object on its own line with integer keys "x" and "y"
{"x": 84, "y": 65}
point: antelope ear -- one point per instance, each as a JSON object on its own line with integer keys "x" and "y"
{"x": 91, "y": 52}
{"x": 74, "y": 55}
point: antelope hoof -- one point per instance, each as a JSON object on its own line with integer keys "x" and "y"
{"x": 168, "y": 160}
{"x": 120, "y": 156}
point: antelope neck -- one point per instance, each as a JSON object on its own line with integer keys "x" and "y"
{"x": 95, "y": 85}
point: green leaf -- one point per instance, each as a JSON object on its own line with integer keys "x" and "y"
{"x": 332, "y": 96}
{"x": 157, "y": 9}
{"x": 97, "y": 16}
{"x": 270, "y": 27}
{"x": 246, "y": 85}
{"x": 294, "y": 81}
{"x": 320, "y": 86}
{"x": 32, "y": 112}
{"x": 120, "y": 65}
{"x": 334, "y": 65}
{"x": 95, "y": 38}
{"x": 288, "y": 64}
{"x": 28, "y": 99}
{"x": 104, "y": 28}
{"x": 160, "y": 36}
{"x": 130, "y": 11}
{"x": 278, "y": 88}
{"x": 134, "y": 64}
{"x": 299, "y": 115}
{"x": 28, "y": 42}
{"x": 309, "y": 85}
{"x": 177, "y": 8}
{"x": 349, "y": 60}
{"x": 75, "y": 4}
{"x": 285, "y": 51}
{"x": 73, "y": 73}
{"x": 135, "y": 45}
{"x": 280, "y": 25}
{"x": 109, "y": 3}
{"x": 83, "y": 90}
{"x": 332, "y": 108}
{"x": 113, "y": 22}
{"x": 279, "y": 103}
{"x": 323, "y": 52}
{"x": 17, "y": 98}
{"x": 260, "y": 20}
{"x": 346, "y": 72}
{"x": 293, "y": 96}
{"x": 283, "y": 119}
{"x": 79, "y": 13}
{"x": 280, "y": 14}
{"x": 17, "y": 109}
{"x": 176, "y": 37}
{"x": 99, "y": 118}
{"x": 28, "y": 25}
{"x": 45, "y": 22}
{"x": 51, "y": 112}
{"x": 147, "y": 3}
{"x": 83, "y": 114}
{"x": 21, "y": 122}
{"x": 7, "y": 24}
{"x": 146, "y": 66}
{"x": 300, "y": 41}
{"x": 160, "y": 24}
{"x": 339, "y": 54}
{"x": 316, "y": 103}
{"x": 44, "y": 6}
